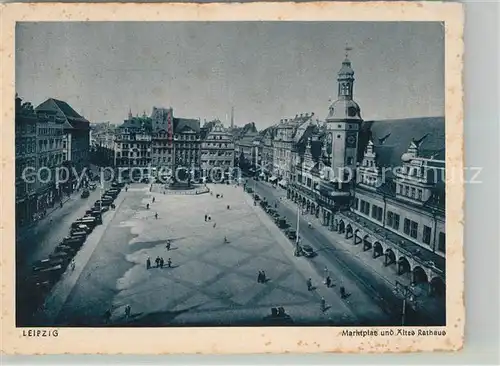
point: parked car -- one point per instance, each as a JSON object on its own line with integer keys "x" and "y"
{"x": 282, "y": 223}
{"x": 51, "y": 274}
{"x": 85, "y": 193}
{"x": 43, "y": 263}
{"x": 61, "y": 255}
{"x": 92, "y": 186}
{"x": 79, "y": 228}
{"x": 256, "y": 197}
{"x": 249, "y": 190}
{"x": 291, "y": 234}
{"x": 308, "y": 251}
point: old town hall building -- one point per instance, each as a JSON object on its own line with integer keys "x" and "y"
{"x": 378, "y": 184}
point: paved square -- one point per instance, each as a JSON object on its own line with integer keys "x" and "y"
{"x": 210, "y": 282}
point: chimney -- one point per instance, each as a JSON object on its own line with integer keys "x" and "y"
{"x": 301, "y": 114}
{"x": 296, "y": 115}
{"x": 312, "y": 114}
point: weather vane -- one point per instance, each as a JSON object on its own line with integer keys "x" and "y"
{"x": 347, "y": 49}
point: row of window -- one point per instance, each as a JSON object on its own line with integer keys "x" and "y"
{"x": 410, "y": 227}
{"x": 130, "y": 154}
{"x": 218, "y": 153}
{"x": 25, "y": 129}
{"x": 223, "y": 145}
{"x": 411, "y": 192}
{"x": 220, "y": 162}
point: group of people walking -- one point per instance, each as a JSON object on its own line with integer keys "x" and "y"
{"x": 160, "y": 262}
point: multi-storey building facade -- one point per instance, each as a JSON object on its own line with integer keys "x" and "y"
{"x": 249, "y": 152}
{"x": 26, "y": 162}
{"x": 187, "y": 145}
{"x": 133, "y": 147}
{"x": 102, "y": 141}
{"x": 379, "y": 184}
{"x": 53, "y": 151}
{"x": 77, "y": 131}
{"x": 217, "y": 153}
{"x": 162, "y": 147}
{"x": 268, "y": 152}
{"x": 283, "y": 144}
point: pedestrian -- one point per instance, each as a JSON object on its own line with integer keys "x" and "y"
{"x": 309, "y": 284}
{"x": 162, "y": 262}
{"x": 147, "y": 206}
{"x": 72, "y": 264}
{"x": 342, "y": 292}
{"x": 225, "y": 240}
{"x": 157, "y": 261}
{"x": 127, "y": 311}
{"x": 215, "y": 224}
{"x": 148, "y": 263}
{"x": 206, "y": 216}
{"x": 209, "y": 218}
{"x": 259, "y": 277}
{"x": 169, "y": 263}
{"x": 228, "y": 207}
{"x": 221, "y": 196}
{"x": 126, "y": 189}
{"x": 323, "y": 304}
{"x": 156, "y": 215}
{"x": 168, "y": 245}
{"x": 328, "y": 281}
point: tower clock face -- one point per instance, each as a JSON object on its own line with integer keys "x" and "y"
{"x": 351, "y": 112}
{"x": 351, "y": 141}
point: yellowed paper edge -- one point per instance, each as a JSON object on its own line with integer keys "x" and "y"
{"x": 238, "y": 340}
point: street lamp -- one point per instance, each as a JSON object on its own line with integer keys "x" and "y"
{"x": 407, "y": 294}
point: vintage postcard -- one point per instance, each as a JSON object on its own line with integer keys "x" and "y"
{"x": 232, "y": 178}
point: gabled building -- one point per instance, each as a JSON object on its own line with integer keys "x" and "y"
{"x": 187, "y": 144}
{"x": 162, "y": 148}
{"x": 283, "y": 144}
{"x": 267, "y": 148}
{"x": 133, "y": 146}
{"x": 379, "y": 184}
{"x": 217, "y": 152}
{"x": 76, "y": 127}
{"x": 398, "y": 210}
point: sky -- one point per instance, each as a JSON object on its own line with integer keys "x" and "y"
{"x": 266, "y": 70}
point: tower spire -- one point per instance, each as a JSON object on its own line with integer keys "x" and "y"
{"x": 347, "y": 49}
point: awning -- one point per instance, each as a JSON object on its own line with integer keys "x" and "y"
{"x": 273, "y": 178}
{"x": 282, "y": 183}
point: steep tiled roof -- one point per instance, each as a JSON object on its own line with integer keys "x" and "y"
{"x": 392, "y": 138}
{"x": 181, "y": 124}
{"x": 63, "y": 109}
